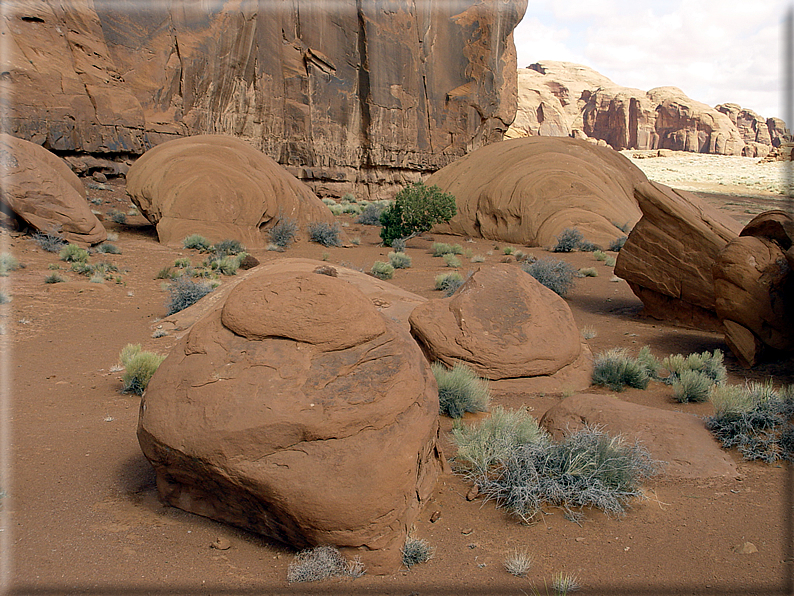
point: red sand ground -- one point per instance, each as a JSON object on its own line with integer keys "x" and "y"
{"x": 82, "y": 514}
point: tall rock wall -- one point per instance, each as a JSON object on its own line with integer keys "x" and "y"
{"x": 350, "y": 94}
{"x": 565, "y": 99}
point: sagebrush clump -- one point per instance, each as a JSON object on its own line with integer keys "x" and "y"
{"x": 415, "y": 551}
{"x": 184, "y": 292}
{"x": 197, "y": 242}
{"x": 460, "y": 390}
{"x": 49, "y": 241}
{"x": 448, "y": 282}
{"x": 71, "y": 253}
{"x": 382, "y": 270}
{"x": 139, "y": 367}
{"x": 399, "y": 260}
{"x": 324, "y": 233}
{"x": 556, "y": 275}
{"x": 617, "y": 370}
{"x": 283, "y": 232}
{"x": 321, "y": 563}
{"x": 370, "y": 215}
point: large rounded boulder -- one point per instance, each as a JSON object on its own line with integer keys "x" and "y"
{"x": 296, "y": 410}
{"x": 754, "y": 288}
{"x": 506, "y": 326}
{"x": 220, "y": 187}
{"x": 527, "y": 191}
{"x": 39, "y": 188}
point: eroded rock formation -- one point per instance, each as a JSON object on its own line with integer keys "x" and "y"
{"x": 352, "y": 95}
{"x": 566, "y": 99}
{"x": 527, "y": 191}
{"x": 40, "y": 189}
{"x": 295, "y": 409}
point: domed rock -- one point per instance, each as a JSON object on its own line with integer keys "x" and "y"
{"x": 754, "y": 287}
{"x": 39, "y": 188}
{"x": 528, "y": 190}
{"x": 296, "y": 410}
{"x": 506, "y": 326}
{"x": 669, "y": 254}
{"x": 220, "y": 187}
{"x": 678, "y": 439}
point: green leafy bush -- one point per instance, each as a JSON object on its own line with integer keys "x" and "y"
{"x": 415, "y": 551}
{"x": 139, "y": 367}
{"x": 197, "y": 242}
{"x": 460, "y": 390}
{"x": 568, "y": 240}
{"x": 508, "y": 250}
{"x": 184, "y": 292}
{"x": 610, "y": 261}
{"x": 416, "y": 209}
{"x": 382, "y": 270}
{"x": 558, "y": 276}
{"x": 440, "y": 249}
{"x": 282, "y": 234}
{"x": 600, "y": 255}
{"x": 448, "y": 282}
{"x": 399, "y": 260}
{"x": 71, "y": 253}
{"x": 616, "y": 369}
{"x": 324, "y": 233}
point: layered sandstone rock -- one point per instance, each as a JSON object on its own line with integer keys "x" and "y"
{"x": 40, "y": 189}
{"x": 680, "y": 440}
{"x": 574, "y": 100}
{"x": 668, "y": 257}
{"x": 220, "y": 187}
{"x": 296, "y": 410}
{"x": 352, "y": 95}
{"x": 754, "y": 288}
{"x": 526, "y": 191}
{"x": 506, "y": 325}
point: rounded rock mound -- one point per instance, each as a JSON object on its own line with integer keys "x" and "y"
{"x": 220, "y": 187}
{"x": 296, "y": 410}
{"x": 39, "y": 188}
{"x": 528, "y": 190}
{"x": 506, "y": 326}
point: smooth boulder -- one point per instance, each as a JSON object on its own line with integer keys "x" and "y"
{"x": 220, "y": 187}
{"x": 296, "y": 410}
{"x": 678, "y": 439}
{"x": 506, "y": 326}
{"x": 528, "y": 190}
{"x": 39, "y": 188}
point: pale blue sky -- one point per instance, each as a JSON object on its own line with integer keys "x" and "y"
{"x": 716, "y": 51}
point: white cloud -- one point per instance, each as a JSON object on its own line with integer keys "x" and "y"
{"x": 716, "y": 51}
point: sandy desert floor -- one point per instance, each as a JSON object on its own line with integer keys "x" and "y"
{"x": 81, "y": 514}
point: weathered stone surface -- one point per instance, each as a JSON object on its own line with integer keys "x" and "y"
{"x": 505, "y": 325}
{"x": 324, "y": 435}
{"x": 566, "y": 99}
{"x": 681, "y": 440}
{"x": 220, "y": 187}
{"x": 669, "y": 254}
{"x": 39, "y": 188}
{"x": 754, "y": 287}
{"x": 353, "y": 95}
{"x": 528, "y": 190}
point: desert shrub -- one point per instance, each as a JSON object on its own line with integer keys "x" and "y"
{"x": 649, "y": 362}
{"x": 5, "y": 297}
{"x": 336, "y": 209}
{"x": 451, "y": 260}
{"x": 348, "y": 197}
{"x": 587, "y": 246}
{"x": 416, "y": 209}
{"x": 587, "y": 469}
{"x": 227, "y": 265}
{"x": 139, "y": 367}
{"x": 599, "y": 255}
{"x": 478, "y": 259}
{"x": 398, "y": 244}
{"x": 558, "y": 276}
{"x": 54, "y": 278}
{"x": 71, "y": 253}
{"x": 370, "y": 216}
{"x": 184, "y": 292}
{"x": 399, "y": 260}
{"x": 49, "y": 241}
{"x": 757, "y": 419}
{"x": 568, "y": 240}
{"x": 441, "y": 248}
{"x": 518, "y": 562}
{"x": 355, "y": 241}
{"x": 625, "y": 227}
{"x": 321, "y": 563}
{"x": 351, "y": 208}
{"x": 588, "y": 272}
{"x": 328, "y": 201}
{"x": 448, "y": 282}
{"x": 118, "y": 217}
{"x": 708, "y": 363}
{"x": 97, "y": 278}
{"x": 108, "y": 248}
{"x": 460, "y": 390}
{"x": 610, "y": 261}
{"x": 283, "y": 232}
{"x": 508, "y": 250}
{"x": 197, "y": 242}
{"x": 618, "y": 243}
{"x": 692, "y": 385}
{"x": 166, "y": 273}
{"x": 182, "y": 263}
{"x": 616, "y": 369}
{"x": 589, "y": 332}
{"x": 324, "y": 233}
{"x": 482, "y": 446}
{"x": 382, "y": 270}
{"x": 8, "y": 262}
{"x": 563, "y": 583}
{"x": 229, "y": 247}
{"x": 415, "y": 551}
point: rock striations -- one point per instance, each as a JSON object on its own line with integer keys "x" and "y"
{"x": 350, "y": 94}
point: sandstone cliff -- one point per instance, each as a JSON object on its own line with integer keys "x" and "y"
{"x": 349, "y": 94}
{"x": 565, "y": 99}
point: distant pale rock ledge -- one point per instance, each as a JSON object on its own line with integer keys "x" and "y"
{"x": 571, "y": 100}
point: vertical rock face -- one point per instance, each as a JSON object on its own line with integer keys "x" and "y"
{"x": 349, "y": 93}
